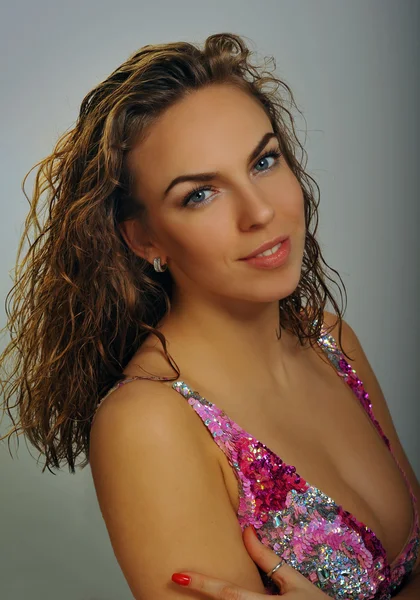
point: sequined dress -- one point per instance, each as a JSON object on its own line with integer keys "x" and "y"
{"x": 297, "y": 520}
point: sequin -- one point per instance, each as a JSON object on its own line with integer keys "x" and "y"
{"x": 301, "y": 524}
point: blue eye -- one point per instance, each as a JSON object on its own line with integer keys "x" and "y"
{"x": 268, "y": 155}
{"x": 275, "y": 154}
{"x": 195, "y": 191}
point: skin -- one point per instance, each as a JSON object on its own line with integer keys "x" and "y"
{"x": 224, "y": 315}
{"x": 229, "y": 308}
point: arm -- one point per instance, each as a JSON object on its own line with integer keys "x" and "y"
{"x": 162, "y": 494}
{"x": 380, "y": 409}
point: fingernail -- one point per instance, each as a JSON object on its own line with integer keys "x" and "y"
{"x": 254, "y": 532}
{"x": 181, "y": 578}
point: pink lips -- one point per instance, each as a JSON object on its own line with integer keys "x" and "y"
{"x": 266, "y": 246}
{"x": 271, "y": 261}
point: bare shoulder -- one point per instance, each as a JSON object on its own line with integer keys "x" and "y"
{"x": 152, "y": 408}
{"x": 162, "y": 495}
{"x": 145, "y": 404}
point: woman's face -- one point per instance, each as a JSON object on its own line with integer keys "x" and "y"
{"x": 203, "y": 234}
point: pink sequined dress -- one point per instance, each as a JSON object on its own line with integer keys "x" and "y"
{"x": 298, "y": 521}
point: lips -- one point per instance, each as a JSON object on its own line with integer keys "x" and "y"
{"x": 266, "y": 246}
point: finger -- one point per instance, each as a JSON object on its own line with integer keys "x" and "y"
{"x": 286, "y": 577}
{"x": 216, "y": 588}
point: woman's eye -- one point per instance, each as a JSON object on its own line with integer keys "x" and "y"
{"x": 196, "y": 197}
{"x": 265, "y": 158}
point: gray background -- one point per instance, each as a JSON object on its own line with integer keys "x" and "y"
{"x": 353, "y": 67}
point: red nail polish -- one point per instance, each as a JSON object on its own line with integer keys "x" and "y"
{"x": 181, "y": 578}
{"x": 253, "y": 531}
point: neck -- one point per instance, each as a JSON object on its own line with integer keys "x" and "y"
{"x": 235, "y": 340}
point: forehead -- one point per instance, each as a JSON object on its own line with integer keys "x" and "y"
{"x": 199, "y": 133}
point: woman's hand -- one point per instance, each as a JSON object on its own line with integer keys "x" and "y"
{"x": 289, "y": 581}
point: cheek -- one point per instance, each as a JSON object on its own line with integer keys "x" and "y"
{"x": 292, "y": 199}
{"x": 201, "y": 244}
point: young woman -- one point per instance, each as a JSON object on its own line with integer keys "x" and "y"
{"x": 180, "y": 236}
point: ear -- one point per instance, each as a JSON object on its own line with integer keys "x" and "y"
{"x": 137, "y": 240}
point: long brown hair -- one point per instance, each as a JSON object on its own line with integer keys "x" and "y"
{"x": 82, "y": 302}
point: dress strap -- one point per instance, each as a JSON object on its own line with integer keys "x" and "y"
{"x": 346, "y": 372}
{"x": 215, "y": 419}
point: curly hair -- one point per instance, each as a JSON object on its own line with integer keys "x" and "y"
{"x": 82, "y": 302}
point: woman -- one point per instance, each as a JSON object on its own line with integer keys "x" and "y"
{"x": 178, "y": 210}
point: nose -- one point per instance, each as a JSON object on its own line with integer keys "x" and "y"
{"x": 254, "y": 207}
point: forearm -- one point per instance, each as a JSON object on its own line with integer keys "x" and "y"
{"x": 411, "y": 590}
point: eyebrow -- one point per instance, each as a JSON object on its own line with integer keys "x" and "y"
{"x": 210, "y": 176}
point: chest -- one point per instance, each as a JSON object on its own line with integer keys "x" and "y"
{"x": 319, "y": 426}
